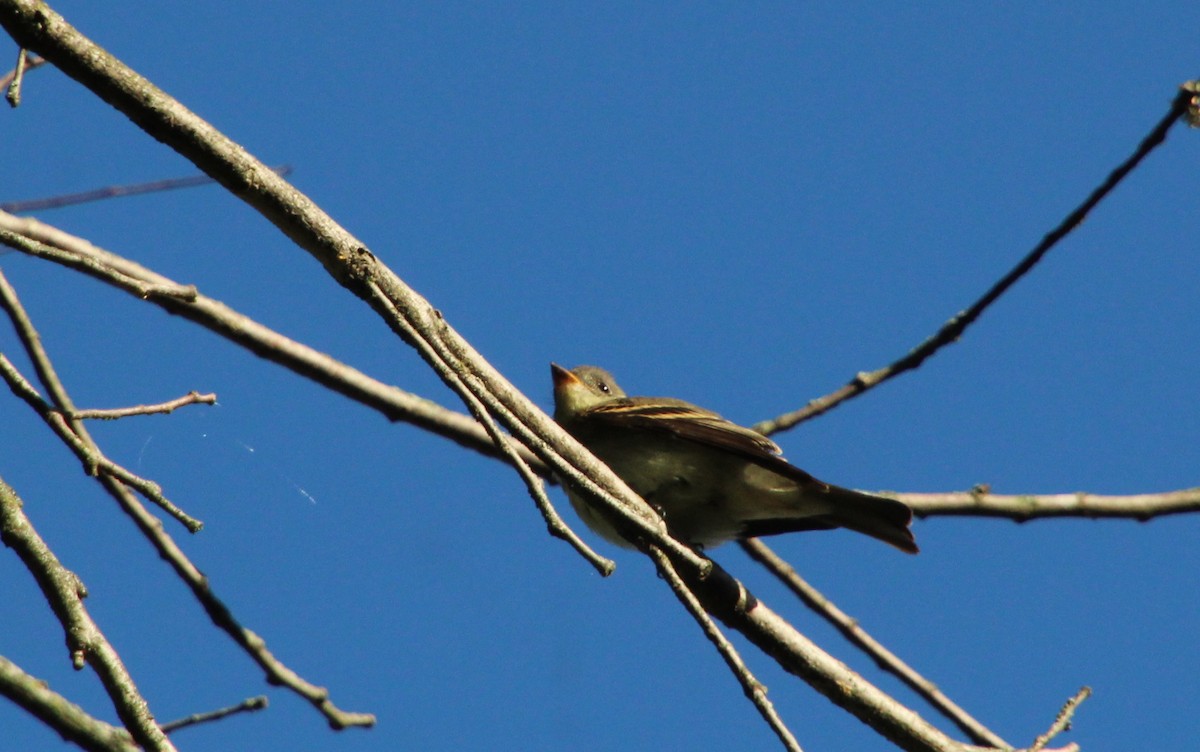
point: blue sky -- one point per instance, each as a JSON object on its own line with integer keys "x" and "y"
{"x": 741, "y": 205}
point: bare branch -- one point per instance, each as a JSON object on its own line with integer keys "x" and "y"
{"x": 554, "y": 522}
{"x": 191, "y": 398}
{"x": 755, "y": 691}
{"x": 981, "y": 503}
{"x": 14, "y": 79}
{"x": 114, "y": 479}
{"x": 1063, "y": 721}
{"x": 953, "y": 329}
{"x": 86, "y": 643}
{"x": 47, "y": 242}
{"x": 70, "y": 430}
{"x": 884, "y": 658}
{"x": 276, "y": 672}
{"x": 248, "y": 705}
{"x": 27, "y": 62}
{"x": 60, "y": 714}
{"x": 118, "y": 191}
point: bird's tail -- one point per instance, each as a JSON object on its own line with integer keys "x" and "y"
{"x": 883, "y": 519}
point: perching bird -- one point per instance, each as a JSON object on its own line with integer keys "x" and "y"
{"x": 712, "y": 480}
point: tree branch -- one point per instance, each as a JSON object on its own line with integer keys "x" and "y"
{"x": 47, "y": 242}
{"x": 249, "y": 705}
{"x": 116, "y": 481}
{"x": 1022, "y": 507}
{"x": 60, "y": 714}
{"x": 751, "y": 686}
{"x": 1182, "y": 106}
{"x": 86, "y": 643}
{"x": 115, "y": 191}
{"x": 884, "y": 658}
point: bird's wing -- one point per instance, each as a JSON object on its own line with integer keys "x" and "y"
{"x": 685, "y": 421}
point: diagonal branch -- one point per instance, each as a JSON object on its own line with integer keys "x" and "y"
{"x": 752, "y": 687}
{"x": 115, "y": 191}
{"x": 116, "y": 481}
{"x": 884, "y": 658}
{"x": 58, "y": 713}
{"x": 60, "y": 417}
{"x": 65, "y": 592}
{"x": 46, "y": 242}
{"x": 248, "y": 705}
{"x": 1184, "y": 105}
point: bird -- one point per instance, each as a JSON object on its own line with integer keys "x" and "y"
{"x": 710, "y": 479}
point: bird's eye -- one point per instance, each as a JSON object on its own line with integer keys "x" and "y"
{"x": 603, "y": 387}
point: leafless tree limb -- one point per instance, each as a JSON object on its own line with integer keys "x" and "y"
{"x": 1022, "y": 507}
{"x": 852, "y": 631}
{"x": 1063, "y": 721}
{"x": 44, "y": 241}
{"x": 1182, "y": 106}
{"x": 116, "y": 481}
{"x": 248, "y": 705}
{"x": 117, "y": 191}
{"x": 87, "y": 644}
{"x": 191, "y": 398}
{"x": 69, "y": 720}
{"x": 12, "y": 81}
{"x": 755, "y": 691}
{"x": 69, "y": 429}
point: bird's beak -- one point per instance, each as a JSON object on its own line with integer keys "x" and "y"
{"x": 561, "y": 376}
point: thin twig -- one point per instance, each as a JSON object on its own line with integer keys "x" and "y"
{"x": 248, "y": 705}
{"x": 47, "y": 242}
{"x": 30, "y": 62}
{"x": 64, "y": 591}
{"x": 191, "y": 398}
{"x": 276, "y": 672}
{"x": 755, "y": 691}
{"x": 117, "y": 191}
{"x": 114, "y": 479}
{"x": 1063, "y": 721}
{"x": 884, "y": 658}
{"x": 953, "y": 329}
{"x": 13, "y": 93}
{"x": 152, "y": 528}
{"x": 71, "y": 430}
